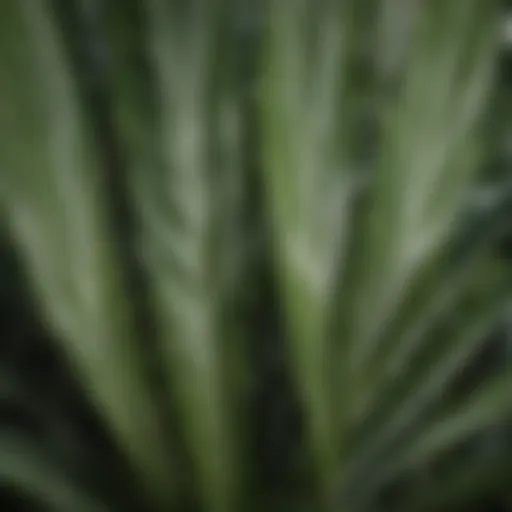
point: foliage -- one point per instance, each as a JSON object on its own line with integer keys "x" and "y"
{"x": 176, "y": 219}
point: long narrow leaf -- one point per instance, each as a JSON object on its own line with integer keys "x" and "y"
{"x": 57, "y": 213}
{"x": 187, "y": 186}
{"x": 25, "y": 468}
{"x": 310, "y": 187}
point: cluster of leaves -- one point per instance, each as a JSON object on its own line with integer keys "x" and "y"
{"x": 219, "y": 225}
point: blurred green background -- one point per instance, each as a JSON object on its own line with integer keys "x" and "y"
{"x": 256, "y": 255}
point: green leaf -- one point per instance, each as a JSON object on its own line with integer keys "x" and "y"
{"x": 187, "y": 187}
{"x": 26, "y": 468}
{"x": 310, "y": 184}
{"x": 485, "y": 407}
{"x": 404, "y": 291}
{"x": 56, "y": 210}
{"x": 429, "y": 159}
